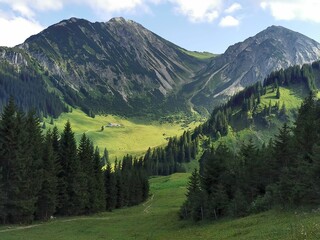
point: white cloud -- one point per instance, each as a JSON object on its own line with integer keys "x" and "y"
{"x": 15, "y": 30}
{"x": 233, "y": 8}
{"x": 27, "y": 8}
{"x": 229, "y": 21}
{"x": 305, "y": 10}
{"x": 112, "y": 6}
{"x": 199, "y": 11}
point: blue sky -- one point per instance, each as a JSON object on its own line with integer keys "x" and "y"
{"x": 201, "y": 25}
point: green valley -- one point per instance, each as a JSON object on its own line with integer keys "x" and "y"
{"x": 127, "y": 136}
{"x": 198, "y": 145}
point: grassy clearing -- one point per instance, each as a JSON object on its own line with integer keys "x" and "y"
{"x": 158, "y": 219}
{"x": 292, "y": 97}
{"x": 133, "y": 137}
{"x": 199, "y": 55}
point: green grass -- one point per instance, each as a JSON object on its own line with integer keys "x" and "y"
{"x": 199, "y": 55}
{"x": 133, "y": 137}
{"x": 158, "y": 219}
{"x": 292, "y": 97}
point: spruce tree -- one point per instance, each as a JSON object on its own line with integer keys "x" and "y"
{"x": 194, "y": 205}
{"x": 110, "y": 188}
{"x": 47, "y": 197}
{"x": 85, "y": 174}
{"x": 18, "y": 184}
{"x": 69, "y": 187}
{"x": 99, "y": 202}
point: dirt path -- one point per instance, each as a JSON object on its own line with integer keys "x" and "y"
{"x": 10, "y": 229}
{"x": 149, "y": 203}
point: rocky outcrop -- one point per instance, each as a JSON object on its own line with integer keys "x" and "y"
{"x": 117, "y": 56}
{"x": 252, "y": 60}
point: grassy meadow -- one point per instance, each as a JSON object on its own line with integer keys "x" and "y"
{"x": 158, "y": 219}
{"x": 134, "y": 136}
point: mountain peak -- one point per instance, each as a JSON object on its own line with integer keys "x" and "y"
{"x": 118, "y": 20}
{"x": 247, "y": 62}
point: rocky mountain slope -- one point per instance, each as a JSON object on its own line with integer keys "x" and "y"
{"x": 121, "y": 67}
{"x": 118, "y": 62}
{"x": 250, "y": 61}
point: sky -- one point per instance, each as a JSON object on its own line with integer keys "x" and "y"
{"x": 197, "y": 25}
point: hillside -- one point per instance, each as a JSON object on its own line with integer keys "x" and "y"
{"x": 116, "y": 67}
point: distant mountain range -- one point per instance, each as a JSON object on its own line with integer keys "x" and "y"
{"x": 121, "y": 67}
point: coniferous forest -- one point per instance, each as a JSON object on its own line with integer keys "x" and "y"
{"x": 42, "y": 175}
{"x": 283, "y": 173}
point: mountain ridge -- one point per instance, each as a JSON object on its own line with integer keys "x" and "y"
{"x": 247, "y": 62}
{"x": 123, "y": 68}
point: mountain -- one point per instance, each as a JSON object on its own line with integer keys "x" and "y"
{"x": 118, "y": 66}
{"x": 250, "y": 61}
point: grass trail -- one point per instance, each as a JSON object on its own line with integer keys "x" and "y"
{"x": 158, "y": 219}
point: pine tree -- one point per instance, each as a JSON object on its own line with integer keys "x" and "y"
{"x": 85, "y": 174}
{"x": 47, "y": 197}
{"x": 278, "y": 93}
{"x": 105, "y": 157}
{"x": 34, "y": 153}
{"x": 99, "y": 202}
{"x": 68, "y": 187}
{"x": 193, "y": 207}
{"x": 8, "y": 152}
{"x": 16, "y": 163}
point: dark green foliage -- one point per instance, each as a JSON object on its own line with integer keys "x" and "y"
{"x": 47, "y": 197}
{"x": 110, "y": 187}
{"x": 69, "y": 176}
{"x": 97, "y": 200}
{"x": 242, "y": 110}
{"x": 165, "y": 161}
{"x": 283, "y": 173}
{"x": 28, "y": 87}
{"x": 194, "y": 205}
{"x": 42, "y": 176}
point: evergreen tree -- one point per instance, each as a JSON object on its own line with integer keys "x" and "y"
{"x": 105, "y": 157}
{"x": 16, "y": 163}
{"x": 99, "y": 201}
{"x": 194, "y": 205}
{"x": 47, "y": 198}
{"x": 85, "y": 174}
{"x": 278, "y": 93}
{"x": 69, "y": 188}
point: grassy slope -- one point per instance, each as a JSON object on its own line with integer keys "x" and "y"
{"x": 292, "y": 97}
{"x": 134, "y": 137}
{"x": 158, "y": 219}
{"x": 199, "y": 55}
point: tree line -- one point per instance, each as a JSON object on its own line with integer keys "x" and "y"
{"x": 169, "y": 159}
{"x": 28, "y": 86}
{"x": 284, "y": 173}
{"x": 42, "y": 175}
{"x": 243, "y": 109}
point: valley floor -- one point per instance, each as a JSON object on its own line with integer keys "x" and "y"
{"x": 158, "y": 219}
{"x": 132, "y": 136}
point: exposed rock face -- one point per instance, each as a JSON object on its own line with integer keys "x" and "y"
{"x": 117, "y": 56}
{"x": 252, "y": 60}
{"x": 120, "y": 66}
